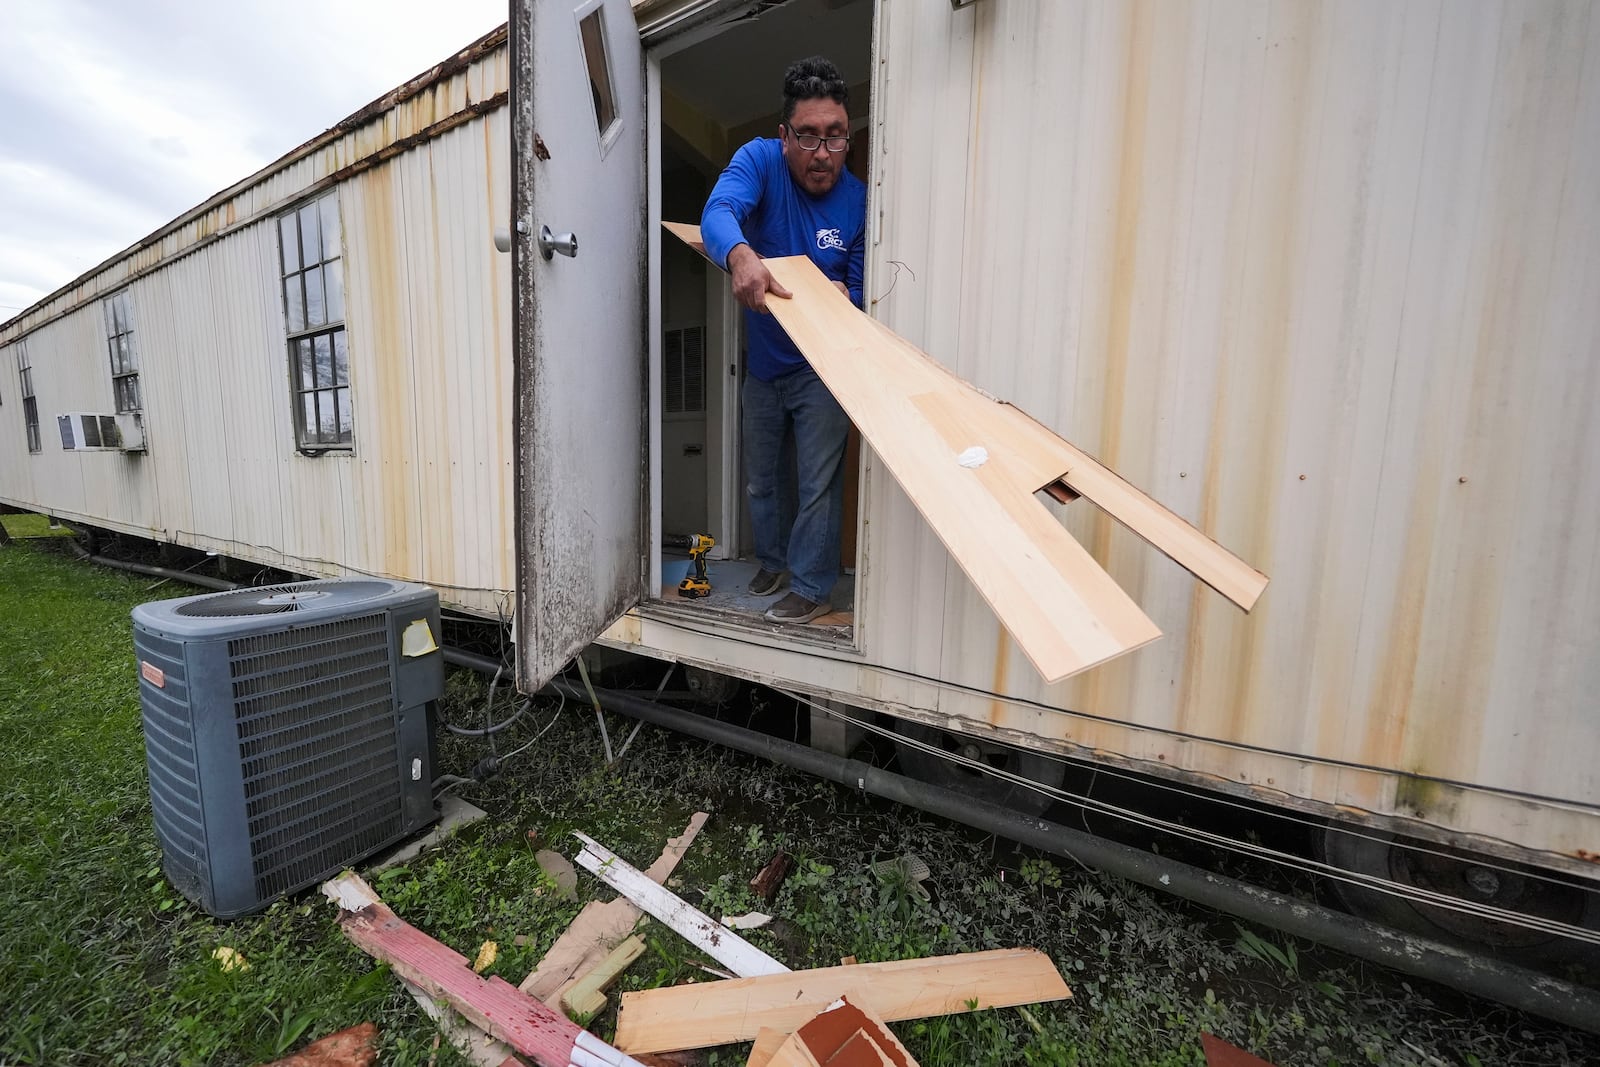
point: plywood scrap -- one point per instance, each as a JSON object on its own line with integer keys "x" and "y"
{"x": 717, "y": 1013}
{"x": 693, "y": 925}
{"x": 587, "y": 996}
{"x": 600, "y": 927}
{"x": 492, "y": 1004}
{"x": 354, "y": 1047}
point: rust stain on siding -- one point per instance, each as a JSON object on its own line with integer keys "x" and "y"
{"x": 1002, "y": 667}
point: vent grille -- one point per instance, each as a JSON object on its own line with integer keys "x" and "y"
{"x": 169, "y": 747}
{"x": 317, "y": 747}
{"x": 684, "y": 380}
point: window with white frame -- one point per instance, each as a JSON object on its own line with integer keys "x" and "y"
{"x": 118, "y": 312}
{"x": 313, "y": 308}
{"x": 30, "y": 406}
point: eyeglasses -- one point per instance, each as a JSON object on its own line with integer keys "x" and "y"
{"x": 810, "y": 142}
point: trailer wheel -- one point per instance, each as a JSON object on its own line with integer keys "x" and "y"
{"x": 1468, "y": 876}
{"x": 928, "y": 767}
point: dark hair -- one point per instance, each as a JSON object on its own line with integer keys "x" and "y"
{"x": 811, "y": 79}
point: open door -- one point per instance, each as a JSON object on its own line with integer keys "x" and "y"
{"x": 579, "y": 266}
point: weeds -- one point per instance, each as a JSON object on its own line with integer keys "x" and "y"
{"x": 102, "y": 963}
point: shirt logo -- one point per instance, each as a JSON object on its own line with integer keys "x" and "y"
{"x": 827, "y": 239}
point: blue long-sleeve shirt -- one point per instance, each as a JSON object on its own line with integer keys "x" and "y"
{"x": 757, "y": 202}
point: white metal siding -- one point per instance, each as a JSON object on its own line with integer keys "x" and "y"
{"x": 1323, "y": 278}
{"x": 427, "y": 492}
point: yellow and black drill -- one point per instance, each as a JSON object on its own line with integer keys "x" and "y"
{"x": 697, "y": 584}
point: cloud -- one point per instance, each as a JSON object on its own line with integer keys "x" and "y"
{"x": 120, "y": 117}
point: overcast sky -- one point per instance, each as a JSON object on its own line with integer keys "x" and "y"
{"x": 116, "y": 116}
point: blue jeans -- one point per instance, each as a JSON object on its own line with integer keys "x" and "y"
{"x": 796, "y": 516}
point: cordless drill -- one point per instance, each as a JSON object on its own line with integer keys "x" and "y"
{"x": 697, "y": 584}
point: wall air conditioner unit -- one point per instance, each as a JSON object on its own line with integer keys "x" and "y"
{"x": 83, "y": 432}
{"x": 130, "y": 431}
{"x": 287, "y": 731}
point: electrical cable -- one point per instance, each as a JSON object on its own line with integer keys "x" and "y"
{"x": 1034, "y": 705}
{"x": 526, "y": 744}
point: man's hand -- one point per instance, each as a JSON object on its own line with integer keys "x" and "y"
{"x": 752, "y": 281}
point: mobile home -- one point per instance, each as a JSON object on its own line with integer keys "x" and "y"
{"x": 1318, "y": 276}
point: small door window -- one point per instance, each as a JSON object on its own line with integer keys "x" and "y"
{"x": 592, "y": 28}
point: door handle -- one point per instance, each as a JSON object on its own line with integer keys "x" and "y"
{"x": 551, "y": 243}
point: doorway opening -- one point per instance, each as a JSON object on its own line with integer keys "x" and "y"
{"x": 716, "y": 94}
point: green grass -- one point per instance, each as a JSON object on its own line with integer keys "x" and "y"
{"x": 100, "y": 962}
{"x": 32, "y": 526}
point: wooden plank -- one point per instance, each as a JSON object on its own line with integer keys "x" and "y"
{"x": 719, "y": 1013}
{"x": 768, "y": 1042}
{"x": 588, "y": 996}
{"x": 696, "y": 927}
{"x": 491, "y": 1004}
{"x": 689, "y": 234}
{"x": 1042, "y": 459}
{"x": 1048, "y": 592}
{"x": 599, "y": 928}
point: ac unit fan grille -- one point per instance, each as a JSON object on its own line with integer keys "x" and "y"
{"x": 280, "y": 599}
{"x": 170, "y": 761}
{"x": 317, "y": 746}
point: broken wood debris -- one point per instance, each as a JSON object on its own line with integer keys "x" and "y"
{"x": 696, "y": 927}
{"x": 492, "y": 1004}
{"x": 718, "y": 1013}
{"x": 844, "y": 1034}
{"x": 768, "y": 879}
{"x": 768, "y": 1042}
{"x": 599, "y": 928}
{"x": 353, "y": 1047}
{"x": 588, "y": 996}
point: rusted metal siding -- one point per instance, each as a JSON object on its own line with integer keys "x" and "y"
{"x": 1322, "y": 277}
{"x": 473, "y": 82}
{"x": 427, "y": 492}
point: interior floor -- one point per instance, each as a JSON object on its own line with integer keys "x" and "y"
{"x": 731, "y": 596}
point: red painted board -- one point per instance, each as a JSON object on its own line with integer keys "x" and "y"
{"x": 495, "y": 1005}
{"x": 1221, "y": 1054}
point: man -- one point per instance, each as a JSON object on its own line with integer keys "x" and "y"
{"x": 792, "y": 196}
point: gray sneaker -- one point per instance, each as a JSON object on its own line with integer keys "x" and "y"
{"x": 796, "y": 608}
{"x": 766, "y": 582}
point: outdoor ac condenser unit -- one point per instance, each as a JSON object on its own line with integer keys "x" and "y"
{"x": 287, "y": 731}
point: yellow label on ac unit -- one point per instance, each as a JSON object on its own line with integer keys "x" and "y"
{"x": 418, "y": 640}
